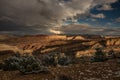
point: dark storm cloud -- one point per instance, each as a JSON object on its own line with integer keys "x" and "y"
{"x": 39, "y": 14}
{"x": 8, "y": 25}
{"x": 42, "y": 16}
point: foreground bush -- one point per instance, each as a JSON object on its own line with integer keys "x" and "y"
{"x": 63, "y": 59}
{"x": 26, "y": 64}
{"x": 11, "y": 63}
{"x": 99, "y": 56}
{"x": 56, "y": 59}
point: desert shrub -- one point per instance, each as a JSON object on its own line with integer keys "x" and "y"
{"x": 1, "y": 65}
{"x": 63, "y": 59}
{"x": 48, "y": 60}
{"x": 56, "y": 59}
{"x": 99, "y": 56}
{"x": 12, "y": 63}
{"x": 30, "y": 64}
{"x": 25, "y": 64}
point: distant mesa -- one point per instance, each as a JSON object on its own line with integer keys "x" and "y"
{"x": 80, "y": 44}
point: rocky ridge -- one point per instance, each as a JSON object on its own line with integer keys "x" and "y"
{"x": 61, "y": 43}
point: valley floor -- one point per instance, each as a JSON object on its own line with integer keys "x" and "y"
{"x": 109, "y": 70}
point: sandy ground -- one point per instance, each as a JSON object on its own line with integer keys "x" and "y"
{"x": 109, "y": 70}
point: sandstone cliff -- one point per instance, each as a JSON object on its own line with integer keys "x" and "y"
{"x": 61, "y": 43}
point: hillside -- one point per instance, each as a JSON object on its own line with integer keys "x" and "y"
{"x": 73, "y": 46}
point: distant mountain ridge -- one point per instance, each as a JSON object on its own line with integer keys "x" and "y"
{"x": 62, "y": 43}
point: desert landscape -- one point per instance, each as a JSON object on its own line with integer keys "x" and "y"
{"x": 59, "y": 39}
{"x": 80, "y": 49}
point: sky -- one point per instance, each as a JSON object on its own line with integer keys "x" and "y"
{"x": 24, "y": 17}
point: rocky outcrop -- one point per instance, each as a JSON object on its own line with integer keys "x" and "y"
{"x": 60, "y": 43}
{"x": 113, "y": 42}
{"x": 71, "y": 45}
{"x": 9, "y": 50}
{"x": 85, "y": 53}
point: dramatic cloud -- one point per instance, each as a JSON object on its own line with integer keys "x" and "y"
{"x": 42, "y": 13}
{"x": 103, "y": 2}
{"x": 105, "y": 7}
{"x": 42, "y": 16}
{"x": 98, "y": 15}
